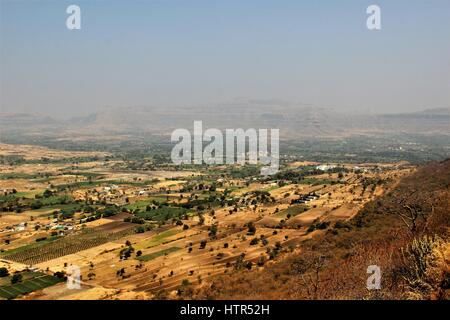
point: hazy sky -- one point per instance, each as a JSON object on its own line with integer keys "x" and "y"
{"x": 190, "y": 52}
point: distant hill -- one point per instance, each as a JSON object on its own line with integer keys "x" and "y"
{"x": 293, "y": 120}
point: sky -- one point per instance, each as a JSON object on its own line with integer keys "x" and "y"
{"x": 202, "y": 52}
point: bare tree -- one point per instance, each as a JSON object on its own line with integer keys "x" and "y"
{"x": 413, "y": 208}
{"x": 313, "y": 280}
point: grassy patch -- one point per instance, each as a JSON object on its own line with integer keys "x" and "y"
{"x": 51, "y": 208}
{"x": 17, "y": 195}
{"x": 154, "y": 255}
{"x": 157, "y": 239}
{"x": 292, "y": 211}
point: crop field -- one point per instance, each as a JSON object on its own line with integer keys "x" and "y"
{"x": 31, "y": 281}
{"x": 64, "y": 246}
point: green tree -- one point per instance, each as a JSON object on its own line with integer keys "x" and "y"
{"x": 3, "y": 272}
{"x": 16, "y": 278}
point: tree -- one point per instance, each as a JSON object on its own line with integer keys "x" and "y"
{"x": 203, "y": 244}
{"x": 213, "y": 231}
{"x": 60, "y": 274}
{"x": 201, "y": 219}
{"x": 313, "y": 280}
{"x": 126, "y": 253}
{"x": 413, "y": 207}
{"x": 47, "y": 193}
{"x": 140, "y": 229}
{"x": 120, "y": 272}
{"x": 251, "y": 228}
{"x": 16, "y": 278}
{"x": 4, "y": 272}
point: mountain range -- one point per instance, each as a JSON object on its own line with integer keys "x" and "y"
{"x": 293, "y": 120}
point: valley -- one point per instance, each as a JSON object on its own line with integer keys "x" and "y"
{"x": 148, "y": 232}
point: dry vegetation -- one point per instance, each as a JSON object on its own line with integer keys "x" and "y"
{"x": 405, "y": 232}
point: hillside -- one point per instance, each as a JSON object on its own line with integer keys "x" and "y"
{"x": 405, "y": 232}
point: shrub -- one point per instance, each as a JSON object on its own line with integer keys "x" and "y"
{"x": 4, "y": 272}
{"x": 16, "y": 278}
{"x": 140, "y": 229}
{"x": 419, "y": 258}
{"x": 251, "y": 228}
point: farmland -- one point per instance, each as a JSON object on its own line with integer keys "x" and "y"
{"x": 31, "y": 281}
{"x": 162, "y": 232}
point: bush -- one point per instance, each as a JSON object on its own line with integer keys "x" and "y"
{"x": 4, "y": 272}
{"x": 185, "y": 283}
{"x": 140, "y": 229}
{"x": 213, "y": 231}
{"x": 16, "y": 278}
{"x": 36, "y": 205}
{"x": 419, "y": 258}
{"x": 251, "y": 229}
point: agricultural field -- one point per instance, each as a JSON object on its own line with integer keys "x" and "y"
{"x": 29, "y": 282}
{"x": 154, "y": 233}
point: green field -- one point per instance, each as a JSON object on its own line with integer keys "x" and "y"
{"x": 31, "y": 281}
{"x": 18, "y": 195}
{"x": 68, "y": 207}
{"x": 293, "y": 211}
{"x": 154, "y": 255}
{"x": 157, "y": 239}
{"x": 162, "y": 214}
{"x": 95, "y": 183}
{"x": 29, "y": 246}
